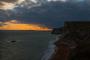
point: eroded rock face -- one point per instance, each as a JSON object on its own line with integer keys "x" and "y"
{"x": 74, "y": 44}
{"x": 61, "y": 53}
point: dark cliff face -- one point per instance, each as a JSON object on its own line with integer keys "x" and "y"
{"x": 57, "y": 31}
{"x": 74, "y": 44}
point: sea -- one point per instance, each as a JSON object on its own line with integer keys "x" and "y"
{"x": 26, "y": 45}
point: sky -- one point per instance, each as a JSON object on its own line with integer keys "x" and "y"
{"x": 18, "y": 25}
{"x": 51, "y": 13}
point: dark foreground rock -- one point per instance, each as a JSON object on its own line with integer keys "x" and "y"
{"x": 74, "y": 42}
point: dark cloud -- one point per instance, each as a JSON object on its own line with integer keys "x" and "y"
{"x": 8, "y": 0}
{"x": 53, "y": 14}
{"x": 1, "y": 4}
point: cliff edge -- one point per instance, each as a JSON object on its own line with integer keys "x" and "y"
{"x": 73, "y": 42}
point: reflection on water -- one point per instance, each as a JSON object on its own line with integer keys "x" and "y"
{"x": 24, "y": 45}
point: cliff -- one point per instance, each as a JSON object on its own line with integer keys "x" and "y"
{"x": 74, "y": 42}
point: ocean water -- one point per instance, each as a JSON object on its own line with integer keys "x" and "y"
{"x": 26, "y": 45}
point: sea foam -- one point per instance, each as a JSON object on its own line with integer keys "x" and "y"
{"x": 49, "y": 51}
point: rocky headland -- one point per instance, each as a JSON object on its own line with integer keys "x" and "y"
{"x": 73, "y": 42}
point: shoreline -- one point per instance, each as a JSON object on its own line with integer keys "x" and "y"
{"x": 49, "y": 51}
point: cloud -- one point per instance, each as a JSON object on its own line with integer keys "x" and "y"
{"x": 6, "y": 6}
{"x": 15, "y": 25}
{"x": 49, "y": 13}
{"x": 8, "y": 1}
{"x": 9, "y": 4}
{"x": 12, "y": 4}
{"x": 28, "y": 4}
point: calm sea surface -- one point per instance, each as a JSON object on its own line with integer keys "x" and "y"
{"x": 24, "y": 45}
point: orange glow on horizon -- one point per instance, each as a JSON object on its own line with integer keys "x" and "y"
{"x": 14, "y": 25}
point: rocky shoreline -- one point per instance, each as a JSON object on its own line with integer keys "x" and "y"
{"x": 74, "y": 43}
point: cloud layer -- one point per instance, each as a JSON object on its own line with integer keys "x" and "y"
{"x": 49, "y": 12}
{"x": 11, "y": 4}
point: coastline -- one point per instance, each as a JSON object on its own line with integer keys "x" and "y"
{"x": 50, "y": 50}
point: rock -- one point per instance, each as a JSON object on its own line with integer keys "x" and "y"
{"x": 13, "y": 41}
{"x": 57, "y": 31}
{"x": 75, "y": 43}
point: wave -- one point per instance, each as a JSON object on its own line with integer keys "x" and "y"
{"x": 50, "y": 50}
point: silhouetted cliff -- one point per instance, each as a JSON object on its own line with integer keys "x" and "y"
{"x": 74, "y": 42}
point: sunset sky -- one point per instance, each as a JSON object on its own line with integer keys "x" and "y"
{"x": 51, "y": 13}
{"x": 15, "y": 25}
